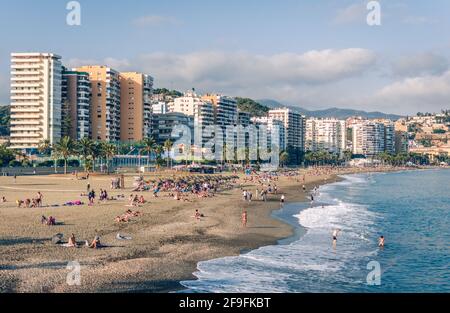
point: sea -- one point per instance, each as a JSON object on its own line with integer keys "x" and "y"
{"x": 411, "y": 209}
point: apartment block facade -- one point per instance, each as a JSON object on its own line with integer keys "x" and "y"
{"x": 326, "y": 134}
{"x": 294, "y": 125}
{"x": 371, "y": 138}
{"x": 76, "y": 104}
{"x": 105, "y": 102}
{"x": 35, "y": 99}
{"x": 135, "y": 106}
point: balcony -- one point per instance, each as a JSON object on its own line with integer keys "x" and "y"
{"x": 27, "y": 79}
{"x": 25, "y": 135}
{"x": 26, "y": 97}
{"x": 26, "y": 110}
{"x": 27, "y": 122}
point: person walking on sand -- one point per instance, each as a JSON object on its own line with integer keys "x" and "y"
{"x": 244, "y": 219}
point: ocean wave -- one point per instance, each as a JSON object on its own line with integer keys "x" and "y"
{"x": 304, "y": 264}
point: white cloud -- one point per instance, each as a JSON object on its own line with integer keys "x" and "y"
{"x": 420, "y": 64}
{"x": 220, "y": 69}
{"x": 117, "y": 64}
{"x": 155, "y": 20}
{"x": 424, "y": 93}
{"x": 352, "y": 14}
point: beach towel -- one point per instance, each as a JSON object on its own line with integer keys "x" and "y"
{"x": 120, "y": 237}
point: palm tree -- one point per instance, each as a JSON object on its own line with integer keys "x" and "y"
{"x": 168, "y": 144}
{"x": 158, "y": 150}
{"x": 44, "y": 146}
{"x": 64, "y": 148}
{"x": 284, "y": 158}
{"x": 96, "y": 152}
{"x": 84, "y": 149}
{"x": 149, "y": 145}
{"x": 108, "y": 151}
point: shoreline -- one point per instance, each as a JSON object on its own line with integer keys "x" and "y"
{"x": 166, "y": 247}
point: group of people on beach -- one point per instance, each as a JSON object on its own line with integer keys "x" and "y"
{"x": 336, "y": 231}
{"x": 34, "y": 202}
{"x": 95, "y": 243}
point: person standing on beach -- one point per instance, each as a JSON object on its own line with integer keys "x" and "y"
{"x": 15, "y": 177}
{"x": 244, "y": 219}
{"x": 282, "y": 199}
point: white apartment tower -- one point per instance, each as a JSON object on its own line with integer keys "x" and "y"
{"x": 35, "y": 99}
{"x": 327, "y": 134}
{"x": 294, "y": 125}
{"x": 373, "y": 137}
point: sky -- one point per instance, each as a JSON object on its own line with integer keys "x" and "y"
{"x": 311, "y": 54}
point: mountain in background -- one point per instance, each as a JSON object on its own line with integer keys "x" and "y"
{"x": 332, "y": 112}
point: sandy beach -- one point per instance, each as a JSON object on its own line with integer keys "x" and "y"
{"x": 167, "y": 242}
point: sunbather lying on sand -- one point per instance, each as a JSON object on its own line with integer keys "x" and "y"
{"x": 72, "y": 242}
{"x": 95, "y": 244}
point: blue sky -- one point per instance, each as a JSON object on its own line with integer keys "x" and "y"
{"x": 314, "y": 54}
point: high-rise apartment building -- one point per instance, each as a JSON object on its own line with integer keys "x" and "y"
{"x": 202, "y": 113}
{"x": 326, "y": 134}
{"x": 76, "y": 104}
{"x": 35, "y": 99}
{"x": 225, "y": 109}
{"x": 105, "y": 102}
{"x": 294, "y": 125}
{"x": 371, "y": 138}
{"x": 135, "y": 106}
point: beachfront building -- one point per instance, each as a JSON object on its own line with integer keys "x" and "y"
{"x": 35, "y": 99}
{"x": 201, "y": 111}
{"x": 295, "y": 127}
{"x": 163, "y": 125}
{"x": 225, "y": 116}
{"x": 105, "y": 102}
{"x": 327, "y": 134}
{"x": 160, "y": 107}
{"x": 371, "y": 138}
{"x": 273, "y": 127}
{"x": 401, "y": 142}
{"x": 135, "y": 106}
{"x": 76, "y": 104}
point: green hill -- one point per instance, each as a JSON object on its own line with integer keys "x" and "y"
{"x": 251, "y": 106}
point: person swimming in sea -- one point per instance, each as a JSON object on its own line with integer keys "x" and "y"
{"x": 381, "y": 241}
{"x": 334, "y": 235}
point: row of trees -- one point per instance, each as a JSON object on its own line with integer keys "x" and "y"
{"x": 90, "y": 151}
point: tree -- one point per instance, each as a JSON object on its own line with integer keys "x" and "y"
{"x": 6, "y": 155}
{"x": 149, "y": 145}
{"x": 84, "y": 149}
{"x": 44, "y": 147}
{"x": 168, "y": 144}
{"x": 108, "y": 151}
{"x": 65, "y": 148}
{"x": 251, "y": 106}
{"x": 284, "y": 158}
